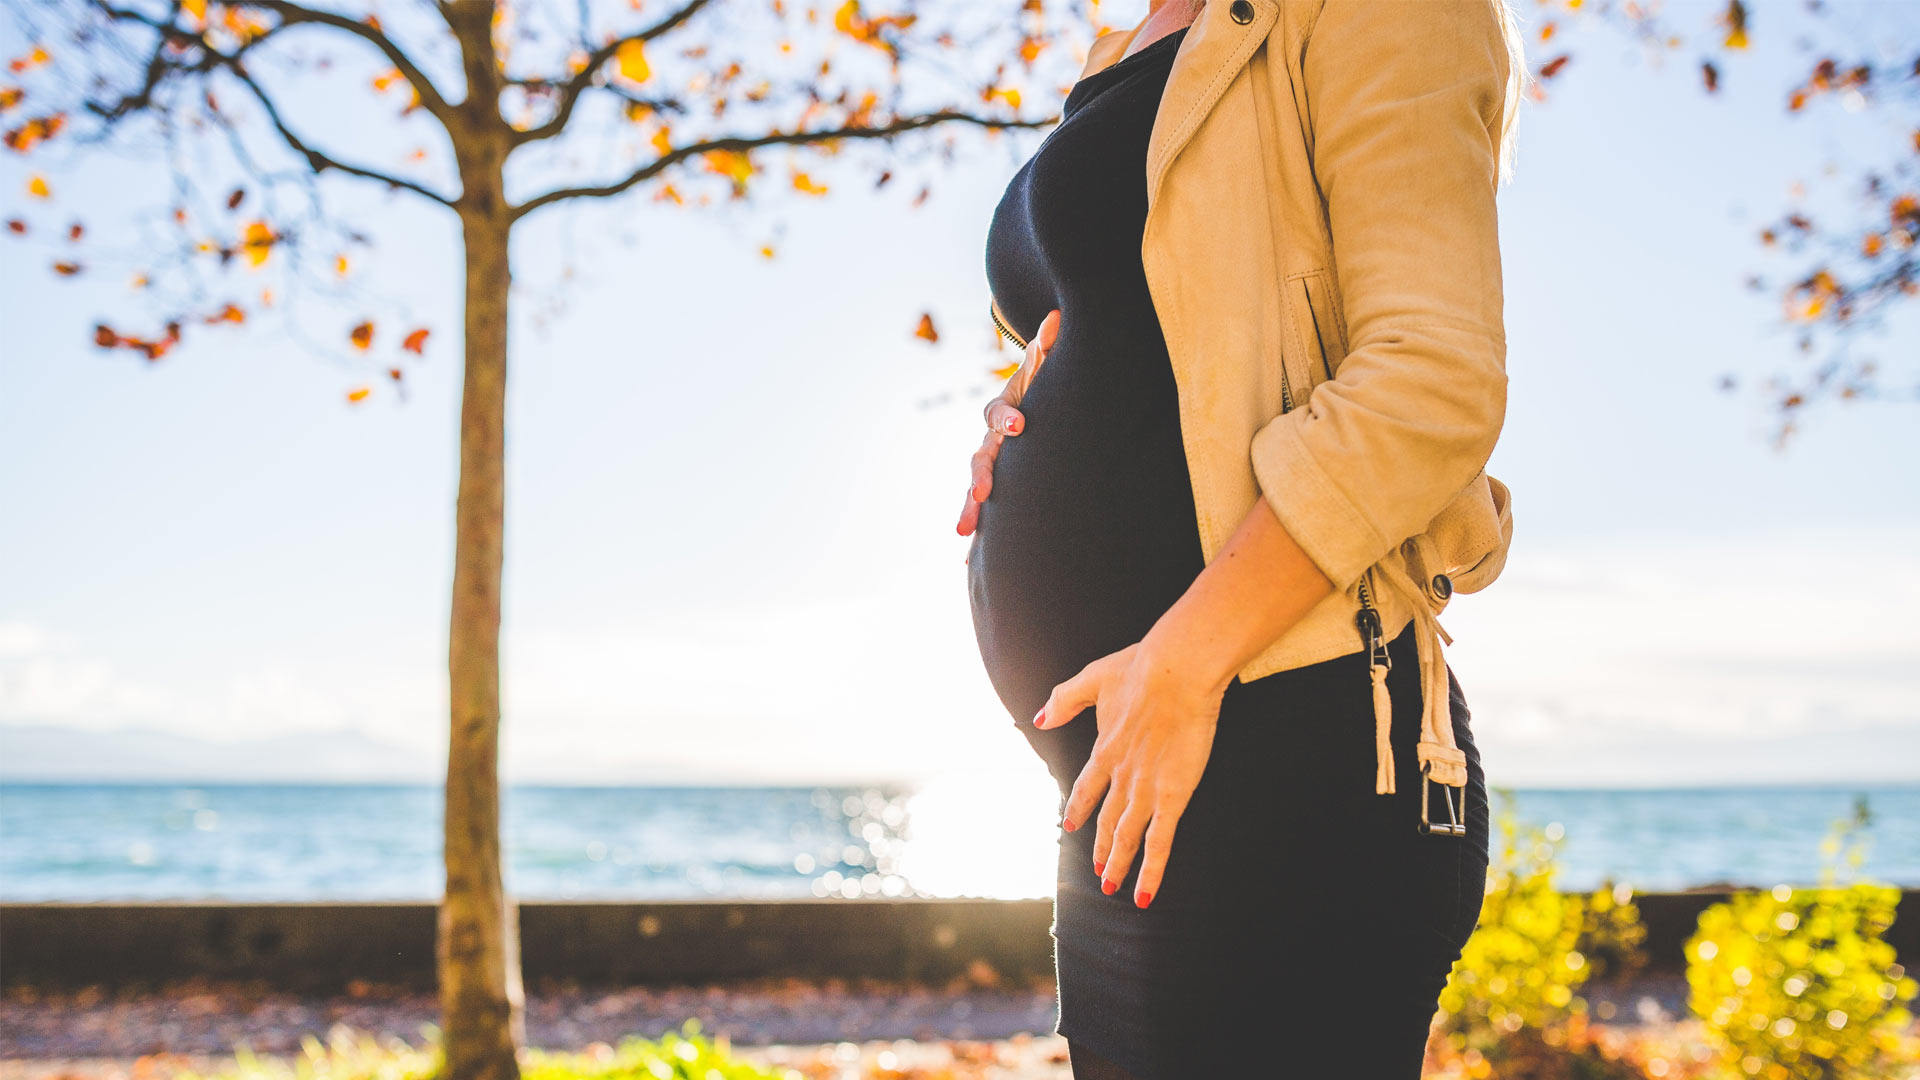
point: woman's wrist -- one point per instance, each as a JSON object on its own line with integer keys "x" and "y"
{"x": 1256, "y": 588}
{"x": 1181, "y": 652}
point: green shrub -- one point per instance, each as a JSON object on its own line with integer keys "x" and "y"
{"x": 351, "y": 1055}
{"x": 683, "y": 1056}
{"x": 1535, "y": 945}
{"x": 1798, "y": 984}
{"x": 346, "y": 1055}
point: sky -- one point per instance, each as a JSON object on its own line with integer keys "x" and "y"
{"x": 733, "y": 482}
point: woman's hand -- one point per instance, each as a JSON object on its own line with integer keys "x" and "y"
{"x": 1004, "y": 419}
{"x": 1156, "y": 719}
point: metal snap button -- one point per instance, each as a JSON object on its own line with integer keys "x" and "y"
{"x": 1241, "y": 12}
{"x": 1442, "y": 586}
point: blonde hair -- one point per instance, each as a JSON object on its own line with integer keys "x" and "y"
{"x": 1518, "y": 76}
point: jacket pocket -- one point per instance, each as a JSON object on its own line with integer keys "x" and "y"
{"x": 1323, "y": 346}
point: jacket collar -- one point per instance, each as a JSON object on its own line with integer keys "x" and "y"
{"x": 1216, "y": 47}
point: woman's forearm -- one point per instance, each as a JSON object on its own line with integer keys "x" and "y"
{"x": 1258, "y": 586}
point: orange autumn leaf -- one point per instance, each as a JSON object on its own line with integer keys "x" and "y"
{"x": 631, "y": 58}
{"x": 35, "y": 131}
{"x": 359, "y": 394}
{"x": 416, "y": 342}
{"x": 341, "y": 265}
{"x": 66, "y": 269}
{"x": 386, "y": 80}
{"x": 926, "y": 329}
{"x": 362, "y": 336}
{"x": 231, "y": 313}
{"x": 1735, "y": 20}
{"x": 257, "y": 241}
{"x": 732, "y": 164}
{"x": 197, "y": 9}
{"x": 804, "y": 184}
{"x": 766, "y": 251}
{"x": 1005, "y": 373}
{"x": 10, "y": 96}
{"x": 30, "y": 61}
{"x": 661, "y": 142}
{"x": 37, "y": 187}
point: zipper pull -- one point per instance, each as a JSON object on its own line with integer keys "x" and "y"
{"x": 1379, "y": 663}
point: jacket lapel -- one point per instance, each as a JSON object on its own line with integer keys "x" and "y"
{"x": 1215, "y": 49}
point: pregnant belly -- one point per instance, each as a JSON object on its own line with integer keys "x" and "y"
{"x": 1087, "y": 537}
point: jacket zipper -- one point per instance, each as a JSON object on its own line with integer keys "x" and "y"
{"x": 1000, "y": 324}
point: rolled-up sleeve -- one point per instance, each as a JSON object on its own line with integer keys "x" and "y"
{"x": 1406, "y": 100}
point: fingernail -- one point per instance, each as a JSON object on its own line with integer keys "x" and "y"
{"x": 974, "y": 493}
{"x": 1109, "y": 886}
{"x": 1143, "y": 899}
{"x": 1013, "y": 426}
{"x": 1069, "y": 825}
{"x": 1099, "y": 866}
{"x": 1040, "y": 718}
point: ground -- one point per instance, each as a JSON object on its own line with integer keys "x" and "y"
{"x": 839, "y": 1030}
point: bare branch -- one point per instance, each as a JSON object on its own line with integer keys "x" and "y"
{"x": 211, "y": 58}
{"x": 571, "y": 90}
{"x": 320, "y": 162}
{"x": 295, "y": 14}
{"x": 795, "y": 138}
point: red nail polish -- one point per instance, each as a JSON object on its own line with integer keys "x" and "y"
{"x": 1099, "y": 866}
{"x": 1109, "y": 886}
{"x": 1069, "y": 825}
{"x": 1040, "y": 718}
{"x": 1143, "y": 899}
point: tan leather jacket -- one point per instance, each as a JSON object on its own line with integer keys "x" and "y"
{"x": 1323, "y": 254}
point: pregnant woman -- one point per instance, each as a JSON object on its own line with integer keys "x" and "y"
{"x": 1240, "y": 472}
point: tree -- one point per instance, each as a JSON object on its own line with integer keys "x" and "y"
{"x": 696, "y": 92}
{"x": 1856, "y": 268}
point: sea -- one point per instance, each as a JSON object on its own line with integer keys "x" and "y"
{"x": 307, "y": 842}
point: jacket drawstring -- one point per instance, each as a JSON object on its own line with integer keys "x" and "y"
{"x": 1441, "y": 759}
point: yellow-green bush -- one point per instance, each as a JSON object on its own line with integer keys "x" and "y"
{"x": 1798, "y": 984}
{"x": 684, "y": 1056}
{"x": 352, "y": 1055}
{"x": 1521, "y": 968}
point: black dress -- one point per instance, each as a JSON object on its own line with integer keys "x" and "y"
{"x": 1302, "y": 923}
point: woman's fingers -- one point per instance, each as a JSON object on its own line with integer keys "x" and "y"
{"x": 1111, "y": 808}
{"x": 1037, "y": 351}
{"x": 1075, "y": 696}
{"x": 1129, "y": 823}
{"x": 1159, "y": 844}
{"x": 1004, "y": 419}
{"x": 1043, "y": 339}
{"x": 969, "y": 516}
{"x": 1088, "y": 787}
{"x": 979, "y": 483}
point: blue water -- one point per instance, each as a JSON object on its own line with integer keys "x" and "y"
{"x": 339, "y": 842}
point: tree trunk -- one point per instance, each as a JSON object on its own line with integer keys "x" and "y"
{"x": 481, "y": 999}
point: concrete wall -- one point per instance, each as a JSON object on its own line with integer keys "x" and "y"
{"x": 321, "y": 947}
